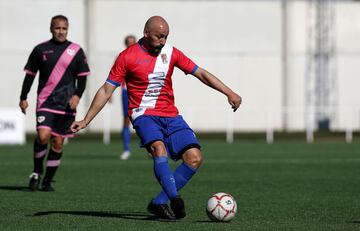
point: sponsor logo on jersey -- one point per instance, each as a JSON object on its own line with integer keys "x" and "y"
{"x": 156, "y": 82}
{"x": 142, "y": 61}
{"x": 48, "y": 52}
{"x": 41, "y": 119}
{"x": 70, "y": 51}
{"x": 45, "y": 53}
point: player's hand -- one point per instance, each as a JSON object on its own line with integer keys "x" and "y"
{"x": 78, "y": 125}
{"x": 234, "y": 100}
{"x": 74, "y": 101}
{"x": 23, "y": 105}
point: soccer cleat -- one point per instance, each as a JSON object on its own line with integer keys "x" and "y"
{"x": 125, "y": 155}
{"x": 162, "y": 211}
{"x": 46, "y": 186}
{"x": 178, "y": 207}
{"x": 34, "y": 181}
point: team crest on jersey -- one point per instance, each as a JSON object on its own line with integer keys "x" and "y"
{"x": 164, "y": 58}
{"x": 48, "y": 52}
{"x": 70, "y": 51}
{"x": 41, "y": 119}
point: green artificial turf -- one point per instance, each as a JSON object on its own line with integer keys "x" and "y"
{"x": 283, "y": 186}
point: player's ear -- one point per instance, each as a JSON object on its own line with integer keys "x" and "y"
{"x": 146, "y": 32}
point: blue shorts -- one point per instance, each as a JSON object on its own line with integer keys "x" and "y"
{"x": 125, "y": 101}
{"x": 173, "y": 131}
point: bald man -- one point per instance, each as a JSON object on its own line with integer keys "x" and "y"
{"x": 147, "y": 69}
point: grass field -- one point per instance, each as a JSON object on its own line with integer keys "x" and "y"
{"x": 284, "y": 186}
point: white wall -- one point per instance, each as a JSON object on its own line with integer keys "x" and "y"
{"x": 239, "y": 41}
{"x": 346, "y": 63}
{"x": 348, "y": 37}
{"x": 219, "y": 36}
{"x": 23, "y": 25}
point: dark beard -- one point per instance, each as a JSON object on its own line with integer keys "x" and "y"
{"x": 157, "y": 49}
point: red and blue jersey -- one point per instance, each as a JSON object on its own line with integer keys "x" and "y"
{"x": 148, "y": 79}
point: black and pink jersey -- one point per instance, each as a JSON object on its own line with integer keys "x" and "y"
{"x": 148, "y": 79}
{"x": 59, "y": 64}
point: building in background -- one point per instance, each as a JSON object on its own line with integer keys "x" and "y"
{"x": 241, "y": 41}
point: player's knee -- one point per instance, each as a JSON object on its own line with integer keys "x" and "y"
{"x": 43, "y": 139}
{"x": 196, "y": 161}
{"x": 43, "y": 136}
{"x": 193, "y": 158}
{"x": 57, "y": 145}
{"x": 57, "y": 148}
{"x": 157, "y": 149}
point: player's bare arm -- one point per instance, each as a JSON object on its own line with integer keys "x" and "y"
{"x": 213, "y": 82}
{"x": 102, "y": 96}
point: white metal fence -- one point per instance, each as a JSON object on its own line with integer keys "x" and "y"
{"x": 229, "y": 120}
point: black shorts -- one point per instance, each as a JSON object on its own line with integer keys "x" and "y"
{"x": 58, "y": 124}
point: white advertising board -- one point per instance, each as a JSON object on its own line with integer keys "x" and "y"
{"x": 12, "y": 129}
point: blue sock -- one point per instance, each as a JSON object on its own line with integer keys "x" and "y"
{"x": 164, "y": 176}
{"x": 182, "y": 175}
{"x": 126, "y": 137}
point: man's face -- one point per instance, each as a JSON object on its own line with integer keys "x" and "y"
{"x": 157, "y": 38}
{"x": 59, "y": 30}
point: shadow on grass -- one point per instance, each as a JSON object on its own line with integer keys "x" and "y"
{"x": 15, "y": 188}
{"x": 129, "y": 215}
{"x": 355, "y": 222}
{"x": 213, "y": 222}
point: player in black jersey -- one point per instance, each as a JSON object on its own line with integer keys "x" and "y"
{"x": 63, "y": 71}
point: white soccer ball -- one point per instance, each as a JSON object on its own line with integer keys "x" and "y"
{"x": 221, "y": 207}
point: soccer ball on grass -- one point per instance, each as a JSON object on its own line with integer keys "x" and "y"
{"x": 221, "y": 207}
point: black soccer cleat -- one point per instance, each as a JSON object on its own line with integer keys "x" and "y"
{"x": 178, "y": 207}
{"x": 34, "y": 181}
{"x": 46, "y": 186}
{"x": 161, "y": 211}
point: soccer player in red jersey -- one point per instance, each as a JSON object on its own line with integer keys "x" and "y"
{"x": 147, "y": 68}
{"x": 63, "y": 70}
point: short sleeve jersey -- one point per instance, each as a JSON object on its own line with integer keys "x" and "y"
{"x": 148, "y": 79}
{"x": 59, "y": 64}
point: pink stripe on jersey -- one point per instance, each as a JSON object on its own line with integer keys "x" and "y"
{"x": 53, "y": 163}
{"x": 56, "y": 111}
{"x": 83, "y": 74}
{"x": 29, "y": 72}
{"x": 57, "y": 73}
